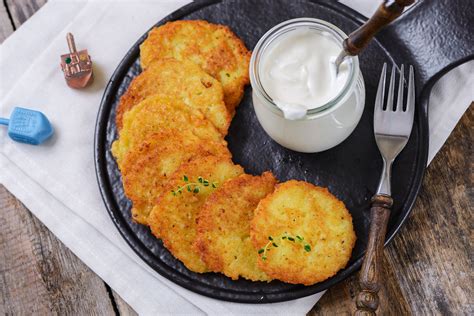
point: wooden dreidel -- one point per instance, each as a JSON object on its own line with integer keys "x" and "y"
{"x": 28, "y": 126}
{"x": 77, "y": 66}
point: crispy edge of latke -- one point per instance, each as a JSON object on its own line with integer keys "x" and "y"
{"x": 232, "y": 100}
{"x": 296, "y": 276}
{"x": 127, "y": 139}
{"x": 243, "y": 56}
{"x": 206, "y": 222}
{"x": 133, "y": 160}
{"x": 131, "y": 97}
{"x": 156, "y": 226}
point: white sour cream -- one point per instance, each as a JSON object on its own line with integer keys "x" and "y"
{"x": 298, "y": 71}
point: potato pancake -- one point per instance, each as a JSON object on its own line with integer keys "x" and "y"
{"x": 173, "y": 219}
{"x": 182, "y": 79}
{"x": 302, "y": 233}
{"x": 147, "y": 167}
{"x": 215, "y": 48}
{"x": 224, "y": 226}
{"x": 161, "y": 112}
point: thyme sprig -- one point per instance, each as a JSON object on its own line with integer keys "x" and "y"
{"x": 195, "y": 186}
{"x": 286, "y": 236}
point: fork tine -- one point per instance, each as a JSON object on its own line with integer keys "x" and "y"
{"x": 400, "y": 90}
{"x": 381, "y": 89}
{"x": 391, "y": 89}
{"x": 411, "y": 92}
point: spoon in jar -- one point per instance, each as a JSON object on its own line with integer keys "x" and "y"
{"x": 358, "y": 40}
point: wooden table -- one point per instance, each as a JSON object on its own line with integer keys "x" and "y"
{"x": 428, "y": 268}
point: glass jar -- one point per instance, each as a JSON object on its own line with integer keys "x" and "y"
{"x": 323, "y": 127}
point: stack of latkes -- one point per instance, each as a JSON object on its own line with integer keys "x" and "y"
{"x": 177, "y": 170}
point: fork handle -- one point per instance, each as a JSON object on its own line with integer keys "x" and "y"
{"x": 385, "y": 14}
{"x": 369, "y": 279}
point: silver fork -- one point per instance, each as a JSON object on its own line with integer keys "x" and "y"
{"x": 392, "y": 129}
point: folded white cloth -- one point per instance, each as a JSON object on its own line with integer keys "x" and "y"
{"x": 57, "y": 182}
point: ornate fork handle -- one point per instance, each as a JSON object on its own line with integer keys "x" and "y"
{"x": 368, "y": 300}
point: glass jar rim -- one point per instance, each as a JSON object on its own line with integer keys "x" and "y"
{"x": 291, "y": 25}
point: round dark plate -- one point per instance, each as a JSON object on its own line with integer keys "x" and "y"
{"x": 351, "y": 170}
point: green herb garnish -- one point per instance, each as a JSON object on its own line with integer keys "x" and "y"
{"x": 271, "y": 243}
{"x": 194, "y": 187}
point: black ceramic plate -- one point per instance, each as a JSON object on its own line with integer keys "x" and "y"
{"x": 350, "y": 170}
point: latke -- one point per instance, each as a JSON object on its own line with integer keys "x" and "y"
{"x": 224, "y": 226}
{"x": 312, "y": 231}
{"x": 215, "y": 48}
{"x": 146, "y": 168}
{"x": 182, "y": 79}
{"x": 173, "y": 219}
{"x": 161, "y": 112}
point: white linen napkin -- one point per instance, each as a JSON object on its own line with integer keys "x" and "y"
{"x": 56, "y": 180}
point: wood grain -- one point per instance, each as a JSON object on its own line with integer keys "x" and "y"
{"x": 434, "y": 252}
{"x": 38, "y": 274}
{"x": 341, "y": 299}
{"x": 6, "y": 26}
{"x": 21, "y": 10}
{"x": 122, "y": 306}
{"x": 367, "y": 300}
{"x": 387, "y": 12}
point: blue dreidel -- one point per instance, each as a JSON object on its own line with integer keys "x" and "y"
{"x": 28, "y": 126}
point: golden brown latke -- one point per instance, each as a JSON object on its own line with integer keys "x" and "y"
{"x": 182, "y": 79}
{"x": 173, "y": 219}
{"x": 147, "y": 167}
{"x": 161, "y": 112}
{"x": 298, "y": 210}
{"x": 224, "y": 226}
{"x": 215, "y": 48}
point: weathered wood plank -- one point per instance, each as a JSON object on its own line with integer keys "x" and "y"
{"x": 6, "y": 27}
{"x": 21, "y": 10}
{"x": 434, "y": 252}
{"x": 38, "y": 275}
{"x": 122, "y": 306}
{"x": 340, "y": 299}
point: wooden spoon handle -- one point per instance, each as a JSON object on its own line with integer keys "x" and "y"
{"x": 369, "y": 279}
{"x": 388, "y": 11}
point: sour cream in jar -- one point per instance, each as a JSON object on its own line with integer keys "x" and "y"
{"x": 299, "y": 99}
{"x": 299, "y": 72}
